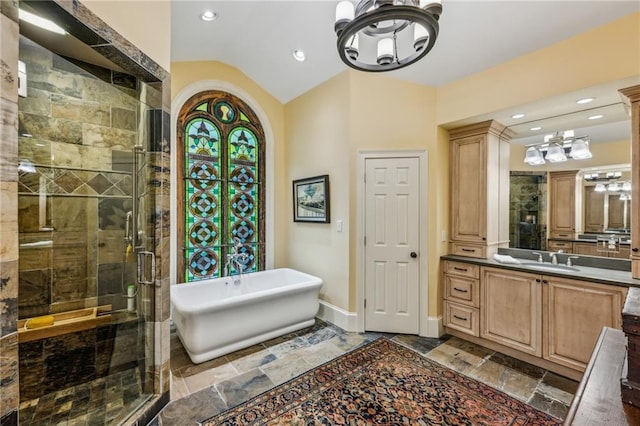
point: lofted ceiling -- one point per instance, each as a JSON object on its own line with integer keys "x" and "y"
{"x": 258, "y": 37}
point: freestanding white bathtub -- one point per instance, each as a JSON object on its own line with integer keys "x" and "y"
{"x": 219, "y": 316}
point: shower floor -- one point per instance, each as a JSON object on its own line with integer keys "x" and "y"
{"x": 105, "y": 401}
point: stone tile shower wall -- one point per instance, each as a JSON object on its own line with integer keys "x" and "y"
{"x": 527, "y": 210}
{"x": 79, "y": 132}
{"x": 8, "y": 213}
{"x": 86, "y": 26}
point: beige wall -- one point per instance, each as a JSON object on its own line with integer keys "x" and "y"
{"x": 153, "y": 38}
{"x": 184, "y": 74}
{"x": 317, "y": 136}
{"x": 391, "y": 114}
{"x": 608, "y": 53}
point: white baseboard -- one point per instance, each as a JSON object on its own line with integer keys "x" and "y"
{"x": 344, "y": 319}
{"x": 434, "y": 327}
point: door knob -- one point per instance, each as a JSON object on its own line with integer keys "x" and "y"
{"x": 413, "y": 254}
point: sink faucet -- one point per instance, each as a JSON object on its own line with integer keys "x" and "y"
{"x": 554, "y": 258}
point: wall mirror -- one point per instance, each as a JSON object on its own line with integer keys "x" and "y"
{"x": 594, "y": 135}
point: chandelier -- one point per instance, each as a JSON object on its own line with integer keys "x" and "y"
{"x": 558, "y": 148}
{"x": 384, "y": 35}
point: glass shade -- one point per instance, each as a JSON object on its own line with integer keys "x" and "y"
{"x": 345, "y": 11}
{"x": 533, "y": 156}
{"x": 580, "y": 150}
{"x": 613, "y": 187}
{"x": 420, "y": 36}
{"x": 385, "y": 51}
{"x": 600, "y": 188}
{"x": 626, "y": 186}
{"x": 555, "y": 153}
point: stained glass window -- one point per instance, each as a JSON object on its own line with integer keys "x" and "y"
{"x": 222, "y": 187}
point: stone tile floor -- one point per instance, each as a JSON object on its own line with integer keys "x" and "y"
{"x": 199, "y": 391}
{"x": 105, "y": 401}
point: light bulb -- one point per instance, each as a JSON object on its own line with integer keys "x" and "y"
{"x": 420, "y": 37}
{"x": 385, "y": 51}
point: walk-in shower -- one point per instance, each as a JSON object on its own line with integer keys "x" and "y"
{"x": 84, "y": 232}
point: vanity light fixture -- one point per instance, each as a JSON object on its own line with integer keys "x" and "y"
{"x": 384, "y": 35}
{"x": 40, "y": 22}
{"x": 557, "y": 148}
{"x": 585, "y": 100}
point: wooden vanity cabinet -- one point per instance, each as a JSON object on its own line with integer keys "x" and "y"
{"x": 574, "y": 314}
{"x": 511, "y": 309}
{"x": 479, "y": 189}
{"x": 550, "y": 321}
{"x": 563, "y": 215}
{"x": 461, "y": 297}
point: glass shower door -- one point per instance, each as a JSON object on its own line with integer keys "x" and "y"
{"x": 84, "y": 223}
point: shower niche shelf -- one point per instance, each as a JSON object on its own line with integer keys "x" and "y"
{"x": 66, "y": 322}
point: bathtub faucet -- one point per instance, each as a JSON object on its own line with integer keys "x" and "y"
{"x": 236, "y": 259}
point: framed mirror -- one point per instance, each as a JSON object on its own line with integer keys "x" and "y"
{"x": 590, "y": 131}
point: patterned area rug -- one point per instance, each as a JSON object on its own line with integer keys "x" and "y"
{"x": 382, "y": 383}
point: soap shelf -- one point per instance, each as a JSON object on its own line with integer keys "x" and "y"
{"x": 66, "y": 322}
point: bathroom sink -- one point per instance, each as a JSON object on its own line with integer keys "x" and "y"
{"x": 549, "y": 267}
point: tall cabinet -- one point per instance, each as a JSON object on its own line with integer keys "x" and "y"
{"x": 479, "y": 189}
{"x": 565, "y": 218}
{"x": 631, "y": 96}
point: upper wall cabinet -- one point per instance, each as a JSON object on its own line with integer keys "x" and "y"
{"x": 479, "y": 188}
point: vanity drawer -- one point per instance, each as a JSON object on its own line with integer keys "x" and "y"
{"x": 461, "y": 318}
{"x": 555, "y": 245}
{"x": 468, "y": 250}
{"x": 462, "y": 290}
{"x": 461, "y": 268}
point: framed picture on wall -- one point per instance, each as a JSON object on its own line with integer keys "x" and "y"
{"x": 311, "y": 199}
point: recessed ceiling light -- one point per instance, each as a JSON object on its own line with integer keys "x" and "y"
{"x": 519, "y": 115}
{"x": 584, "y": 100}
{"x": 596, "y": 117}
{"x": 533, "y": 129}
{"x": 298, "y": 55}
{"x": 209, "y": 15}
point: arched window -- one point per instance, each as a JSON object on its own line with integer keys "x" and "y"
{"x": 221, "y": 187}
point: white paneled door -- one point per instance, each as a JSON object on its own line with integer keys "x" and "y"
{"x": 392, "y": 238}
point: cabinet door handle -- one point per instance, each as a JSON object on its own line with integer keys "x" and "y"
{"x": 563, "y": 235}
{"x": 545, "y": 282}
{"x": 460, "y": 318}
{"x": 461, "y": 290}
{"x": 460, "y": 269}
{"x": 635, "y": 249}
{"x": 469, "y": 250}
{"x": 537, "y": 280}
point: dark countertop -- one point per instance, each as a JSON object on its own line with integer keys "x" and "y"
{"x": 584, "y": 273}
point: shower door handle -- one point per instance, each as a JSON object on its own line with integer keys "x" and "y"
{"x": 142, "y": 270}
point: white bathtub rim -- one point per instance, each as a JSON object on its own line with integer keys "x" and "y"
{"x": 227, "y": 302}
{"x": 245, "y": 343}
